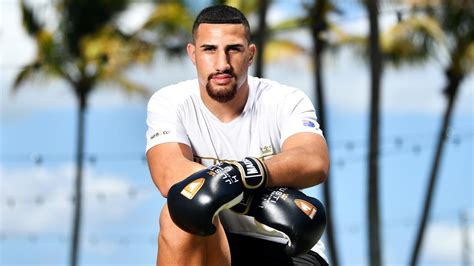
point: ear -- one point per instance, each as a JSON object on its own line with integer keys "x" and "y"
{"x": 191, "y": 52}
{"x": 253, "y": 51}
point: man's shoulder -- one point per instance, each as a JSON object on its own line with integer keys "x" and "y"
{"x": 267, "y": 89}
{"x": 177, "y": 92}
{"x": 179, "y": 89}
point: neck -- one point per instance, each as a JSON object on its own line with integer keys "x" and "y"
{"x": 228, "y": 111}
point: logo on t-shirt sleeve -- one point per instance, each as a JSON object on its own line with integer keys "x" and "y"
{"x": 160, "y": 133}
{"x": 308, "y": 123}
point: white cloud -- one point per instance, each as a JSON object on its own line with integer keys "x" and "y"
{"x": 444, "y": 243}
{"x": 134, "y": 17}
{"x": 16, "y": 47}
{"x": 39, "y": 199}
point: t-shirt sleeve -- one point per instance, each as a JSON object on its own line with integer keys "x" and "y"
{"x": 298, "y": 115}
{"x": 163, "y": 121}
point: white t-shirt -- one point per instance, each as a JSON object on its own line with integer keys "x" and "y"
{"x": 273, "y": 112}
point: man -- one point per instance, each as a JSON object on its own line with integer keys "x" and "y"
{"x": 223, "y": 115}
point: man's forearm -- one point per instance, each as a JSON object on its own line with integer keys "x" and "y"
{"x": 169, "y": 164}
{"x": 171, "y": 174}
{"x": 303, "y": 162}
{"x": 297, "y": 169}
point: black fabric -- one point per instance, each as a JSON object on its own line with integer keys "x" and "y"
{"x": 246, "y": 251}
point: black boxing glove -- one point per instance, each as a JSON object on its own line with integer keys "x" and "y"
{"x": 195, "y": 201}
{"x": 299, "y": 218}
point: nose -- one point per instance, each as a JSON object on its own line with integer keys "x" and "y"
{"x": 222, "y": 61}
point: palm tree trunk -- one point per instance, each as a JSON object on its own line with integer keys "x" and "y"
{"x": 318, "y": 26}
{"x": 330, "y": 230}
{"x": 374, "y": 235}
{"x": 78, "y": 181}
{"x": 261, "y": 37}
{"x": 452, "y": 89}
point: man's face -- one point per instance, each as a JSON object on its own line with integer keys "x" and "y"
{"x": 222, "y": 56}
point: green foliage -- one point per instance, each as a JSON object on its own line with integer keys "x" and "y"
{"x": 291, "y": 24}
{"x": 443, "y": 30}
{"x": 30, "y": 23}
{"x": 247, "y": 7}
{"x": 87, "y": 47}
{"x": 83, "y": 17}
{"x": 278, "y": 49}
{"x": 170, "y": 23}
{"x": 412, "y": 40}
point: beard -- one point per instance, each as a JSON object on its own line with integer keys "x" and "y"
{"x": 222, "y": 94}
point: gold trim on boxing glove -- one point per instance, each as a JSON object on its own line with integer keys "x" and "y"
{"x": 306, "y": 207}
{"x": 262, "y": 169}
{"x": 192, "y": 188}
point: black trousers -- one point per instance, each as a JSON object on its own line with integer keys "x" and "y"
{"x": 249, "y": 251}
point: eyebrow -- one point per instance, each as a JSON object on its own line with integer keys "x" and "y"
{"x": 208, "y": 46}
{"x": 230, "y": 46}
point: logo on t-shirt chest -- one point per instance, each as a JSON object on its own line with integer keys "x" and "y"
{"x": 266, "y": 150}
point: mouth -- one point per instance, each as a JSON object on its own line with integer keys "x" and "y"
{"x": 222, "y": 79}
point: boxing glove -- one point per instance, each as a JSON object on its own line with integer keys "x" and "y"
{"x": 195, "y": 201}
{"x": 297, "y": 217}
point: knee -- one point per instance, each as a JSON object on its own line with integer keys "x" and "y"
{"x": 166, "y": 224}
{"x": 172, "y": 236}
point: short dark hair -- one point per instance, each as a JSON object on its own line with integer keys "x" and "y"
{"x": 221, "y": 14}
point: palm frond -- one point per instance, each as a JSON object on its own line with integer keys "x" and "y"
{"x": 467, "y": 60}
{"x": 290, "y": 24}
{"x": 338, "y": 38}
{"x": 169, "y": 17}
{"x": 99, "y": 14}
{"x": 412, "y": 41}
{"x": 109, "y": 52}
{"x": 25, "y": 74}
{"x": 30, "y": 22}
{"x": 281, "y": 49}
{"x": 246, "y": 6}
{"x": 132, "y": 87}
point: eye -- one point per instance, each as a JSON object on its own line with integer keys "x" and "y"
{"x": 234, "y": 49}
{"x": 209, "y": 48}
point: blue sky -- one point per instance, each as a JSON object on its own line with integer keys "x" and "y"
{"x": 37, "y": 143}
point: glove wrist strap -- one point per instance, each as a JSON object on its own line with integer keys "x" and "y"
{"x": 253, "y": 172}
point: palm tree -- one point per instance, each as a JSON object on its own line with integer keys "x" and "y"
{"x": 317, "y": 13}
{"x": 376, "y": 65}
{"x": 373, "y": 47}
{"x": 456, "y": 22}
{"x": 261, "y": 36}
{"x": 87, "y": 49}
{"x": 433, "y": 30}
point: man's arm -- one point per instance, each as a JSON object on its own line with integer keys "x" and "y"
{"x": 303, "y": 162}
{"x": 170, "y": 163}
